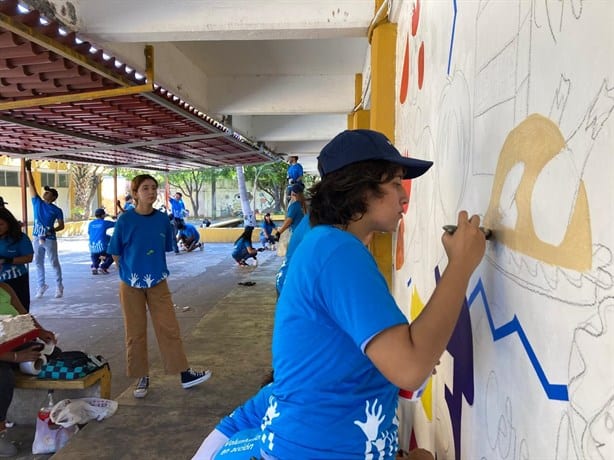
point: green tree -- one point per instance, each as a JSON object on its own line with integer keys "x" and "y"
{"x": 190, "y": 184}
{"x": 85, "y": 179}
{"x": 271, "y": 178}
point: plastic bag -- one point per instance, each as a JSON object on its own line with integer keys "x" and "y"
{"x": 49, "y": 438}
{"x": 282, "y": 244}
{"x": 68, "y": 413}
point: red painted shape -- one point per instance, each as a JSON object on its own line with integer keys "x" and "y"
{"x": 421, "y": 66}
{"x": 415, "y": 18}
{"x": 400, "y": 251}
{"x": 405, "y": 74}
{"x": 407, "y": 187}
{"x": 413, "y": 444}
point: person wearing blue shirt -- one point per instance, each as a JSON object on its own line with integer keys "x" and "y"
{"x": 342, "y": 348}
{"x": 295, "y": 239}
{"x": 189, "y": 236}
{"x": 11, "y": 359}
{"x": 44, "y": 232}
{"x": 141, "y": 238}
{"x": 294, "y": 173}
{"x": 15, "y": 252}
{"x": 128, "y": 204}
{"x": 99, "y": 242}
{"x": 243, "y": 249}
{"x": 242, "y": 423}
{"x": 296, "y": 210}
{"x": 266, "y": 234}
{"x": 178, "y": 212}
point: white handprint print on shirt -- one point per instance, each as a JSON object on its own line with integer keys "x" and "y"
{"x": 270, "y": 414}
{"x": 376, "y": 443}
{"x": 148, "y": 280}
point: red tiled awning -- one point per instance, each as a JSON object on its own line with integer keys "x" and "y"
{"x": 147, "y": 130}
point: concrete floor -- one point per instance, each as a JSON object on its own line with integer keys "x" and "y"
{"x": 226, "y": 328}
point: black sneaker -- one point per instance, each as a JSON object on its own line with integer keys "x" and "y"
{"x": 142, "y": 385}
{"x": 192, "y": 378}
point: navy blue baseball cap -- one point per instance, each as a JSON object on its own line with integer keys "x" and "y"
{"x": 353, "y": 146}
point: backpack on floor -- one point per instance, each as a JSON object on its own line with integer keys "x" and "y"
{"x": 70, "y": 365}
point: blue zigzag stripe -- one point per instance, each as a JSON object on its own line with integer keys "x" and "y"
{"x": 555, "y": 392}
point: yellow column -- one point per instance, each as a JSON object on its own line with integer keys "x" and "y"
{"x": 383, "y": 71}
{"x": 358, "y": 119}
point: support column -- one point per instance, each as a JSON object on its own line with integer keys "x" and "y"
{"x": 383, "y": 71}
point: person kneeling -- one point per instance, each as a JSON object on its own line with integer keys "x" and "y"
{"x": 188, "y": 235}
{"x": 243, "y": 249}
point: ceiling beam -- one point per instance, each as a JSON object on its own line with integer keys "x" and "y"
{"x": 161, "y": 20}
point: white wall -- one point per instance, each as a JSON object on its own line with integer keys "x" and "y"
{"x": 529, "y": 372}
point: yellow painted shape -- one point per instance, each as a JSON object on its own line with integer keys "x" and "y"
{"x": 534, "y": 142}
{"x": 416, "y": 307}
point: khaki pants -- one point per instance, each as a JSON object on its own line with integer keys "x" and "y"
{"x": 157, "y": 299}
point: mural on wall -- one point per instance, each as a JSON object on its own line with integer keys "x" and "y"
{"x": 514, "y": 103}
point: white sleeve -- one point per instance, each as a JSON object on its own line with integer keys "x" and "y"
{"x": 210, "y": 446}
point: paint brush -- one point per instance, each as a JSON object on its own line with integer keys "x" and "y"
{"x": 488, "y": 233}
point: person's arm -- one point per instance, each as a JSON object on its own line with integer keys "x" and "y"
{"x": 285, "y": 225}
{"x": 119, "y": 206}
{"x": 60, "y": 226}
{"x": 25, "y": 245}
{"x": 211, "y": 445}
{"x": 31, "y": 184}
{"x": 407, "y": 355}
{"x": 21, "y": 356}
{"x": 17, "y": 260}
{"x": 16, "y": 303}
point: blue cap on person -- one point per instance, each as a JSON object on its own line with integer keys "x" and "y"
{"x": 100, "y": 212}
{"x": 353, "y": 146}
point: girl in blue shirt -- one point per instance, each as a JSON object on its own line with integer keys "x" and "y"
{"x": 139, "y": 244}
{"x": 266, "y": 235}
{"x": 243, "y": 249}
{"x": 341, "y": 346}
{"x": 16, "y": 252}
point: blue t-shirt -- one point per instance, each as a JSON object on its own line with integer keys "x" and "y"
{"x": 295, "y": 212}
{"x": 297, "y": 236}
{"x": 141, "y": 243}
{"x": 240, "y": 249}
{"x": 177, "y": 208}
{"x": 247, "y": 416}
{"x": 329, "y": 400}
{"x": 45, "y": 215}
{"x": 242, "y": 446}
{"x": 128, "y": 206}
{"x": 189, "y": 231}
{"x": 268, "y": 227}
{"x": 295, "y": 171}
{"x": 97, "y": 231}
{"x": 11, "y": 248}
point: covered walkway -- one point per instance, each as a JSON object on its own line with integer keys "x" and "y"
{"x": 226, "y": 327}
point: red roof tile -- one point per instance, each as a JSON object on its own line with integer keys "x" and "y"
{"x": 154, "y": 130}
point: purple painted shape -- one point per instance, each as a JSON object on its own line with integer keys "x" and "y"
{"x": 460, "y": 347}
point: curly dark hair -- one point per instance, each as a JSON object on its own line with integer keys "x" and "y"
{"x": 341, "y": 196}
{"x": 14, "y": 226}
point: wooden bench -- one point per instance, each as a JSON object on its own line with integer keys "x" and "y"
{"x": 102, "y": 376}
{"x": 31, "y": 392}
